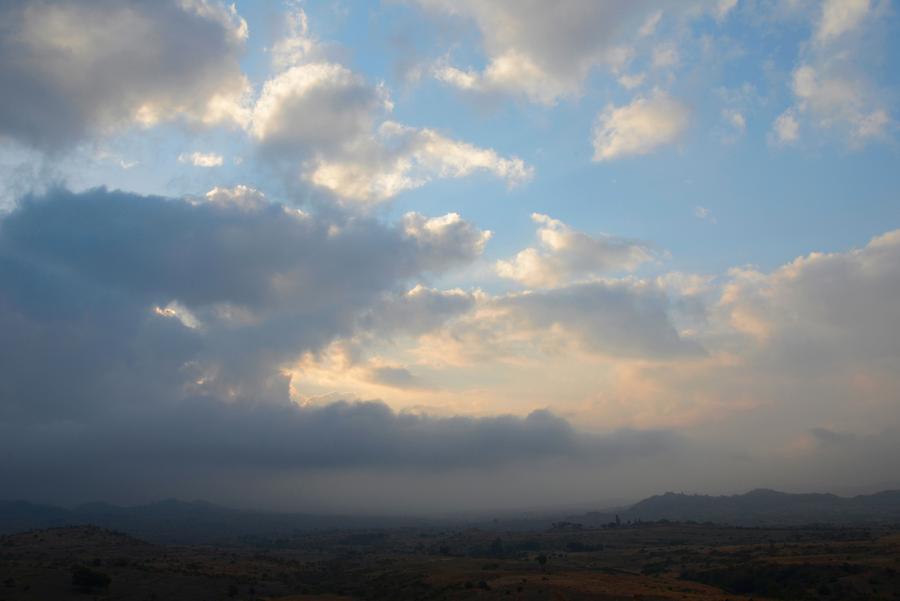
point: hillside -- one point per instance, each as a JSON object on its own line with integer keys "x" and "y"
{"x": 179, "y": 522}
{"x": 758, "y": 507}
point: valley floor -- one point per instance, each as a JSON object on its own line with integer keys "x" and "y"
{"x": 656, "y": 561}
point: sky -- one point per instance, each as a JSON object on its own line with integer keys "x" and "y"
{"x": 426, "y": 256}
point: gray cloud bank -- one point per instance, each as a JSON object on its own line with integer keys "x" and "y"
{"x": 137, "y": 298}
{"x": 617, "y": 318}
{"x": 71, "y": 69}
{"x": 144, "y": 340}
{"x": 206, "y": 433}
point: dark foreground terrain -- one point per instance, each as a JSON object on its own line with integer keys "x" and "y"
{"x": 566, "y": 561}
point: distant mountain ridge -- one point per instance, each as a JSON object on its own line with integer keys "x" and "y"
{"x": 758, "y": 507}
{"x": 174, "y": 521}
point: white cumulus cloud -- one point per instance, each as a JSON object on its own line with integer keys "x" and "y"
{"x": 542, "y": 51}
{"x": 565, "y": 254}
{"x": 839, "y": 17}
{"x": 639, "y": 127}
{"x": 329, "y": 126}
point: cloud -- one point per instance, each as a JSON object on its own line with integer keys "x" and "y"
{"x": 665, "y": 56}
{"x": 176, "y": 341}
{"x": 811, "y": 343}
{"x": 539, "y": 51}
{"x": 616, "y": 319}
{"x": 396, "y": 377}
{"x": 297, "y": 44}
{"x": 149, "y": 452}
{"x": 566, "y": 254}
{"x": 786, "y": 130}
{"x": 239, "y": 197}
{"x": 834, "y": 85}
{"x": 735, "y": 119}
{"x": 335, "y": 435}
{"x": 701, "y": 212}
{"x": 403, "y": 158}
{"x": 807, "y": 344}
{"x": 630, "y": 82}
{"x": 834, "y": 306}
{"x": 417, "y": 311}
{"x": 329, "y": 125}
{"x": 621, "y": 319}
{"x": 72, "y": 70}
{"x": 639, "y": 127}
{"x": 315, "y": 107}
{"x": 650, "y": 24}
{"x": 202, "y": 159}
{"x": 837, "y": 101}
{"x": 136, "y": 63}
{"x": 143, "y": 350}
{"x": 545, "y": 53}
{"x": 205, "y": 296}
{"x": 839, "y": 17}
{"x": 150, "y": 339}
{"x": 723, "y": 8}
{"x": 444, "y": 239}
